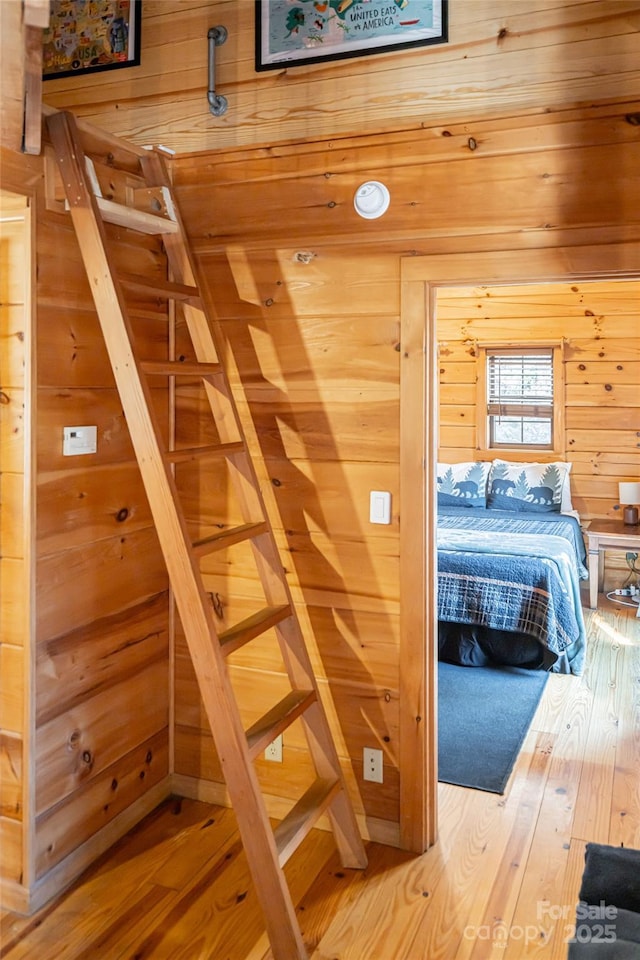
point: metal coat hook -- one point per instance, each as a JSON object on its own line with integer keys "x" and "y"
{"x": 217, "y": 104}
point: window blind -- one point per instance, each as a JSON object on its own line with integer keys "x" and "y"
{"x": 520, "y": 383}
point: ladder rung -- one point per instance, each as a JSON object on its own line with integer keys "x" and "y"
{"x": 291, "y": 831}
{"x": 212, "y": 450}
{"x": 226, "y": 538}
{"x": 251, "y": 627}
{"x": 268, "y": 727}
{"x": 179, "y": 368}
{"x": 134, "y": 219}
{"x": 162, "y": 288}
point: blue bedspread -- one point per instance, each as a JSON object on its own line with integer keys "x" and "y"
{"x": 493, "y": 574}
{"x": 504, "y": 521}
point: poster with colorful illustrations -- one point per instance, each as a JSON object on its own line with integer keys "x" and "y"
{"x": 295, "y": 32}
{"x": 85, "y": 36}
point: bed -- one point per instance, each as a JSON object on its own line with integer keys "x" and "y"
{"x": 509, "y": 576}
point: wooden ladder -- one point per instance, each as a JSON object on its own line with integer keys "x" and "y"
{"x": 149, "y": 208}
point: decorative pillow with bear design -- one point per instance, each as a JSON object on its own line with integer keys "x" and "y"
{"x": 531, "y": 487}
{"x": 463, "y": 484}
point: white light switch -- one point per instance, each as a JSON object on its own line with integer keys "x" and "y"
{"x": 380, "y": 506}
{"x": 79, "y": 440}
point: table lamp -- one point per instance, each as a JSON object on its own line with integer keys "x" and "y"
{"x": 630, "y": 495}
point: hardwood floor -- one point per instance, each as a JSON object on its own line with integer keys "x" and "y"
{"x": 501, "y": 882}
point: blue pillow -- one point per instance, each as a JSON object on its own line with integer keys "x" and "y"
{"x": 463, "y": 484}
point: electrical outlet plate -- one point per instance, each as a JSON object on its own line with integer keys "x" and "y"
{"x": 372, "y": 765}
{"x": 274, "y": 750}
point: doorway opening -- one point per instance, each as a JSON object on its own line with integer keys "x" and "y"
{"x": 422, "y": 278}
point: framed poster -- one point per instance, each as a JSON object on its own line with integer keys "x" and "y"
{"x": 85, "y": 36}
{"x": 294, "y": 32}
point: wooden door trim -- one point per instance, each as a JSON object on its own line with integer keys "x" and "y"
{"x": 16, "y": 892}
{"x": 420, "y": 278}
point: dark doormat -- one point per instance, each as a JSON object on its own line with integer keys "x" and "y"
{"x": 483, "y": 717}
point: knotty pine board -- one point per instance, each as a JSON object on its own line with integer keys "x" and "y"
{"x": 86, "y": 583}
{"x": 98, "y": 801}
{"x": 86, "y": 504}
{"x": 76, "y": 746}
{"x": 86, "y": 661}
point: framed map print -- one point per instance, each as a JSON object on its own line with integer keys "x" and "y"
{"x": 295, "y": 32}
{"x": 85, "y": 36}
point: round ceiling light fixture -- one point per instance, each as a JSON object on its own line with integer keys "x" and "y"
{"x": 371, "y": 199}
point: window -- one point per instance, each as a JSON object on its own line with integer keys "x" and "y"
{"x": 519, "y": 386}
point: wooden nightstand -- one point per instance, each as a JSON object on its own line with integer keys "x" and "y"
{"x": 607, "y": 535}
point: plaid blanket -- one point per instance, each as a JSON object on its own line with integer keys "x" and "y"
{"x": 514, "y": 581}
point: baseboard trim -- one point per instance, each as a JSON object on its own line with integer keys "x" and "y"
{"x": 209, "y": 791}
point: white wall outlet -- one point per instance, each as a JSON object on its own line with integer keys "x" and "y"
{"x": 372, "y": 765}
{"x": 274, "y": 750}
{"x": 380, "y": 506}
{"x": 79, "y": 440}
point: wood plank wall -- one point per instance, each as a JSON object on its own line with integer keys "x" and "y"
{"x": 319, "y": 365}
{"x": 600, "y": 327}
{"x": 101, "y": 615}
{"x": 100, "y": 677}
{"x": 308, "y": 295}
{"x": 502, "y": 56}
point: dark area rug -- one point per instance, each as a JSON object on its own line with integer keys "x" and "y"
{"x": 483, "y": 717}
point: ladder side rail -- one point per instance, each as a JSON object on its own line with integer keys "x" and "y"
{"x": 229, "y": 737}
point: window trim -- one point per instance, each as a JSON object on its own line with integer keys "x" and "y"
{"x": 521, "y": 451}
